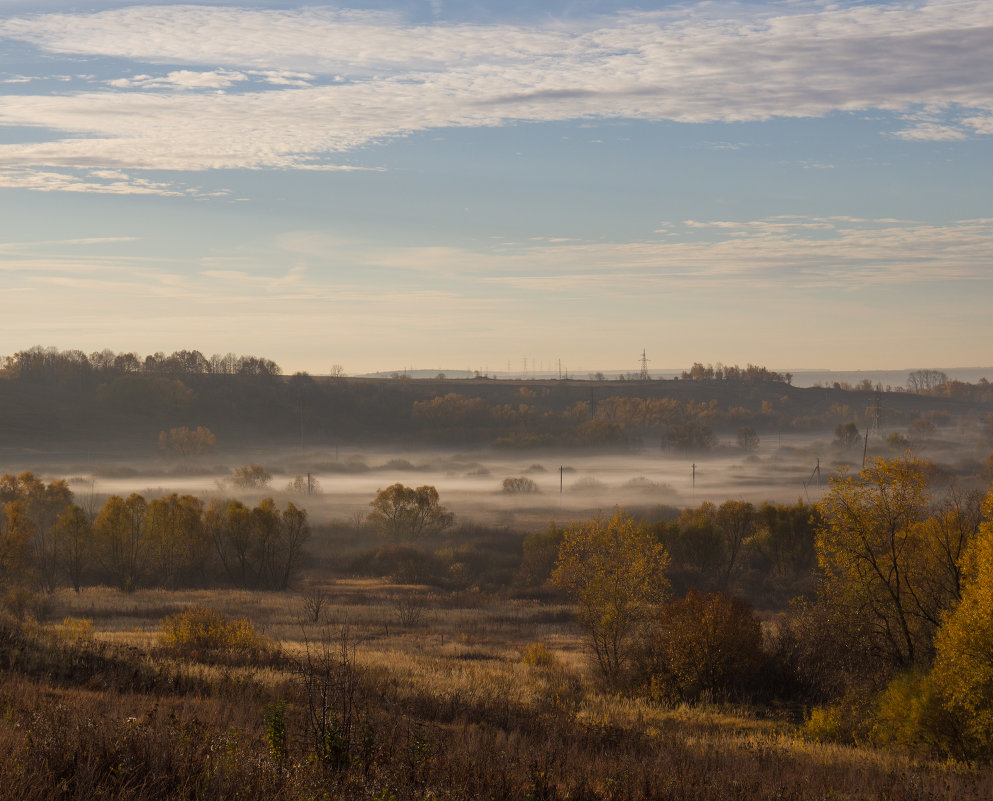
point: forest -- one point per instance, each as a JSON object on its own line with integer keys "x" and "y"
{"x": 243, "y": 640}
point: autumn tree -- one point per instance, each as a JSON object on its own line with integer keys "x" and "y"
{"x": 963, "y": 670}
{"x": 266, "y": 543}
{"x": 689, "y": 437}
{"x": 178, "y": 545}
{"x": 784, "y": 541}
{"x": 695, "y": 545}
{"x": 704, "y": 646}
{"x": 519, "y": 485}
{"x": 185, "y": 442}
{"x": 120, "y": 536}
{"x": 42, "y": 505}
{"x": 403, "y": 512}
{"x": 251, "y": 476}
{"x": 229, "y": 525}
{"x": 294, "y": 535}
{"x": 540, "y": 553}
{"x": 748, "y": 440}
{"x": 16, "y": 531}
{"x": 74, "y": 532}
{"x": 260, "y": 547}
{"x": 615, "y": 572}
{"x": 736, "y": 521}
{"x": 886, "y": 557}
{"x": 847, "y": 436}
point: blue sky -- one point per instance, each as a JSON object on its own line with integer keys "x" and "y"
{"x": 463, "y": 185}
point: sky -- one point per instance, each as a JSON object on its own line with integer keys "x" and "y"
{"x": 494, "y": 186}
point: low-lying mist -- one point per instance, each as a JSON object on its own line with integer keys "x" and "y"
{"x": 567, "y": 484}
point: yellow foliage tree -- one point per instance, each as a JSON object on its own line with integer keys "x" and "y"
{"x": 187, "y": 442}
{"x": 615, "y": 571}
{"x": 883, "y": 558}
{"x": 963, "y": 667}
{"x": 120, "y": 537}
{"x": 16, "y": 530}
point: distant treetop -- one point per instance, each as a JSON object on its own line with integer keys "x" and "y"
{"x": 723, "y": 372}
{"x": 40, "y": 363}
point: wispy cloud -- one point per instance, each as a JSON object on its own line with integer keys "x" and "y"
{"x": 182, "y": 79}
{"x": 803, "y": 254}
{"x": 106, "y": 182}
{"x": 336, "y": 80}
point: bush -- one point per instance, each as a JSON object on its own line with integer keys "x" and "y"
{"x": 705, "y": 646}
{"x": 25, "y": 604}
{"x": 76, "y": 629}
{"x": 537, "y": 654}
{"x": 846, "y": 720}
{"x": 912, "y": 712}
{"x": 199, "y": 629}
{"x": 540, "y": 550}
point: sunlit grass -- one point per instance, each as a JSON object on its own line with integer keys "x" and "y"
{"x": 462, "y": 665}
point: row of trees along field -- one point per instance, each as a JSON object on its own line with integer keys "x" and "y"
{"x": 174, "y": 541}
{"x": 895, "y": 644}
{"x": 127, "y": 396}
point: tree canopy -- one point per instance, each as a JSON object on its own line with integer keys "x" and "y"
{"x": 615, "y": 571}
{"x": 403, "y": 512}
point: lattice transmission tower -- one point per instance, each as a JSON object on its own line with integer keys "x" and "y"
{"x": 644, "y": 367}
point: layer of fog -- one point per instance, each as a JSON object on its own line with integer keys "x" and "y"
{"x": 570, "y": 485}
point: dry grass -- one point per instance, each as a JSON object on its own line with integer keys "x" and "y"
{"x": 445, "y": 708}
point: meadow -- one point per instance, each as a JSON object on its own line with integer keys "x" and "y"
{"x": 387, "y": 691}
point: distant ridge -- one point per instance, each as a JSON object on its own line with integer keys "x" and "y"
{"x": 801, "y": 377}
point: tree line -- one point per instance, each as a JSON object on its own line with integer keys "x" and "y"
{"x": 127, "y": 397}
{"x": 39, "y": 363}
{"x": 47, "y": 540}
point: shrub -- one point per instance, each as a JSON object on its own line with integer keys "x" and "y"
{"x": 845, "y": 721}
{"x": 705, "y": 646}
{"x": 912, "y": 712}
{"x": 540, "y": 550}
{"x": 198, "y": 629}
{"x": 537, "y": 654}
{"x": 76, "y": 629}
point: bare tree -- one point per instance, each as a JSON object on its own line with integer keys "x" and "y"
{"x": 923, "y": 381}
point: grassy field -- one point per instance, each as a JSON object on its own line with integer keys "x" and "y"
{"x": 396, "y": 692}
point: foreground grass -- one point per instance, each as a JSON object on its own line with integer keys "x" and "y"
{"x": 439, "y": 708}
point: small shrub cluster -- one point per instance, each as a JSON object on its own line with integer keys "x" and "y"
{"x": 199, "y": 629}
{"x": 537, "y": 654}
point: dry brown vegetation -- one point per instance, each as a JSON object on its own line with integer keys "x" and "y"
{"x": 452, "y": 703}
